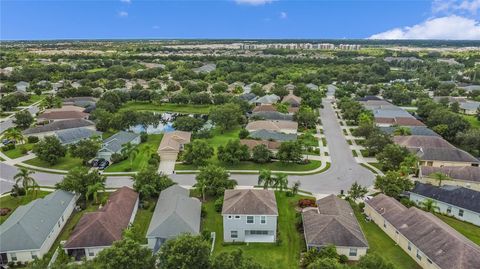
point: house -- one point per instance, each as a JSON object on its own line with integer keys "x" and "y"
{"x": 172, "y": 143}
{"x": 98, "y": 230}
{"x": 271, "y": 115}
{"x": 22, "y": 86}
{"x": 459, "y": 202}
{"x": 414, "y": 130}
{"x": 206, "y": 68}
{"x": 175, "y": 213}
{"x": 280, "y": 126}
{"x": 116, "y": 142}
{"x": 31, "y": 229}
{"x": 333, "y": 222}
{"x": 249, "y": 215}
{"x": 436, "y": 151}
{"x": 312, "y": 86}
{"x": 73, "y": 136}
{"x": 292, "y": 100}
{"x": 266, "y": 99}
{"x": 247, "y": 96}
{"x": 464, "y": 176}
{"x": 469, "y": 107}
{"x": 64, "y": 113}
{"x": 428, "y": 240}
{"x": 252, "y": 143}
{"x": 52, "y": 128}
{"x": 272, "y": 135}
{"x": 80, "y": 101}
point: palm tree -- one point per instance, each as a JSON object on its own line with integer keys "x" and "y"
{"x": 402, "y": 130}
{"x": 439, "y": 177}
{"x": 201, "y": 186}
{"x": 281, "y": 181}
{"x": 430, "y": 206}
{"x": 295, "y": 187}
{"x": 92, "y": 190}
{"x": 265, "y": 178}
{"x": 14, "y": 134}
{"x": 24, "y": 176}
{"x": 409, "y": 165}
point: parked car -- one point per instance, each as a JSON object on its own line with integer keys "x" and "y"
{"x": 104, "y": 164}
{"x": 7, "y": 141}
{"x": 96, "y": 162}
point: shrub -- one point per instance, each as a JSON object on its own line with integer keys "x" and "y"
{"x": 203, "y": 213}
{"x": 219, "y": 204}
{"x": 4, "y": 211}
{"x": 143, "y": 137}
{"x": 343, "y": 259}
{"x": 23, "y": 150}
{"x": 154, "y": 159}
{"x": 203, "y": 134}
{"x": 117, "y": 157}
{"x": 243, "y": 134}
{"x": 8, "y": 147}
{"x": 302, "y": 203}
{"x": 32, "y": 139}
{"x": 207, "y": 235}
{"x": 361, "y": 206}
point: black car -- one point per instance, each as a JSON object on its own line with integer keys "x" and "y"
{"x": 96, "y": 162}
{"x": 102, "y": 165}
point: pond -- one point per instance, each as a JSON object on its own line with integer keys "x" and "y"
{"x": 164, "y": 125}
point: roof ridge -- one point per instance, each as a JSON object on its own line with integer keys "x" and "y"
{"x": 259, "y": 198}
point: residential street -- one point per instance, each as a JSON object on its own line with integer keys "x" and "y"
{"x": 343, "y": 172}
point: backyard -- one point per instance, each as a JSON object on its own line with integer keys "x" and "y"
{"x": 140, "y": 161}
{"x": 380, "y": 243}
{"x": 286, "y": 254}
{"x": 468, "y": 230}
{"x": 474, "y": 122}
{"x": 143, "y": 218}
{"x": 166, "y": 107}
{"x": 14, "y": 202}
{"x": 65, "y": 163}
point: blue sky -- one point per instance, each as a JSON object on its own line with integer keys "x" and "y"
{"x": 55, "y": 19}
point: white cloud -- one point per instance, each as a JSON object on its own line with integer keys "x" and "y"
{"x": 123, "y": 14}
{"x": 126, "y": 1}
{"x": 449, "y": 27}
{"x": 253, "y": 2}
{"x": 283, "y": 15}
{"x": 456, "y": 6}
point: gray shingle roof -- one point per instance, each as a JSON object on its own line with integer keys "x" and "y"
{"x": 267, "y": 135}
{"x": 415, "y": 130}
{"x": 332, "y": 222}
{"x": 469, "y": 173}
{"x": 441, "y": 243}
{"x": 58, "y": 125}
{"x": 71, "y": 136}
{"x": 454, "y": 195}
{"x": 266, "y": 99}
{"x": 272, "y": 115}
{"x": 176, "y": 213}
{"x": 470, "y": 105}
{"x": 29, "y": 225}
{"x": 115, "y": 142}
{"x": 250, "y": 202}
{"x": 446, "y": 154}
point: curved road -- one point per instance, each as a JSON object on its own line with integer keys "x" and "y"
{"x": 344, "y": 170}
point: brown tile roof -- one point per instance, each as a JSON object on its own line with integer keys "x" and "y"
{"x": 332, "y": 222}
{"x": 272, "y": 125}
{"x": 250, "y": 202}
{"x": 251, "y": 143}
{"x": 58, "y": 115}
{"x": 468, "y": 173}
{"x": 385, "y": 120}
{"x": 172, "y": 141}
{"x": 103, "y": 227}
{"x": 404, "y": 121}
{"x": 441, "y": 243}
{"x": 264, "y": 108}
{"x": 292, "y": 99}
{"x": 421, "y": 141}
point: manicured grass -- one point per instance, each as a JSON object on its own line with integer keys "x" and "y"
{"x": 247, "y": 165}
{"x": 384, "y": 246}
{"x": 142, "y": 219}
{"x": 33, "y": 99}
{"x": 308, "y": 139}
{"x": 369, "y": 168}
{"x": 65, "y": 163}
{"x": 324, "y": 141}
{"x": 220, "y": 138}
{"x": 377, "y": 165}
{"x": 143, "y": 106}
{"x": 18, "y": 151}
{"x": 14, "y": 202}
{"x": 474, "y": 122}
{"x": 271, "y": 255}
{"x": 141, "y": 160}
{"x": 468, "y": 230}
{"x": 354, "y": 153}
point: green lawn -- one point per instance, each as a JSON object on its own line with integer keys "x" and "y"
{"x": 65, "y": 163}
{"x": 94, "y": 70}
{"x": 308, "y": 139}
{"x": 33, "y": 99}
{"x": 167, "y": 107}
{"x": 469, "y": 230}
{"x": 142, "y": 219}
{"x": 474, "y": 122}
{"x": 18, "y": 151}
{"x": 141, "y": 160}
{"x": 14, "y": 202}
{"x": 380, "y": 243}
{"x": 247, "y": 165}
{"x": 284, "y": 255}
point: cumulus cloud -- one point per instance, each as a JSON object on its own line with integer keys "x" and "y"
{"x": 123, "y": 14}
{"x": 283, "y": 15}
{"x": 253, "y": 2}
{"x": 450, "y": 27}
{"x": 126, "y": 1}
{"x": 456, "y": 6}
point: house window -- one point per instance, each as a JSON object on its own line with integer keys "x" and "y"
{"x": 13, "y": 256}
{"x": 419, "y": 255}
{"x": 460, "y": 212}
{"x": 229, "y": 217}
{"x": 250, "y": 219}
{"x": 234, "y": 234}
{"x": 449, "y": 210}
{"x": 91, "y": 253}
{"x": 34, "y": 255}
{"x": 353, "y": 252}
{"x": 409, "y": 246}
{"x": 263, "y": 219}
{"x": 237, "y": 217}
{"x": 258, "y": 232}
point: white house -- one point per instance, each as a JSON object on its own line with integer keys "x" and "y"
{"x": 459, "y": 202}
{"x": 31, "y": 230}
{"x": 249, "y": 215}
{"x": 116, "y": 142}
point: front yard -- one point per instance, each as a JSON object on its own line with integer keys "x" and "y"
{"x": 145, "y": 150}
{"x": 286, "y": 254}
{"x": 248, "y": 165}
{"x": 166, "y": 107}
{"x": 14, "y": 202}
{"x": 19, "y": 151}
{"x": 65, "y": 163}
